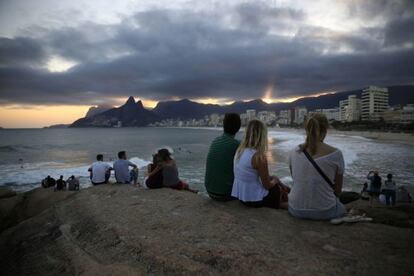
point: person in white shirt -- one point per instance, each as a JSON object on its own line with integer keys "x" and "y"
{"x": 100, "y": 171}
{"x": 253, "y": 185}
{"x": 311, "y": 196}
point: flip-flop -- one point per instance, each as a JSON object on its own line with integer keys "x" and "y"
{"x": 350, "y": 219}
{"x": 362, "y": 218}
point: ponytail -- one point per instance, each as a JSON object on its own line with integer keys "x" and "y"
{"x": 316, "y": 126}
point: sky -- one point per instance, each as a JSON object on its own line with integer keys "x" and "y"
{"x": 58, "y": 58}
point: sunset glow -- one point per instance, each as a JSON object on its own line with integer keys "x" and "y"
{"x": 39, "y": 116}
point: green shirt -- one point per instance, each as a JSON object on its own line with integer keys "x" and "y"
{"x": 219, "y": 168}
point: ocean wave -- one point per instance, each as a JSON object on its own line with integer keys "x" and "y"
{"x": 33, "y": 173}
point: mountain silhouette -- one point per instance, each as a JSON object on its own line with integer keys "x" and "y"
{"x": 130, "y": 114}
{"x": 134, "y": 114}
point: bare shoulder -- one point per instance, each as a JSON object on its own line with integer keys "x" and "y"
{"x": 328, "y": 149}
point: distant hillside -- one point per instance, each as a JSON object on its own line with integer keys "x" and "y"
{"x": 95, "y": 110}
{"x": 186, "y": 109}
{"x": 134, "y": 114}
{"x": 130, "y": 114}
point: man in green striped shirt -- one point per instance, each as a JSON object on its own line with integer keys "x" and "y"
{"x": 219, "y": 168}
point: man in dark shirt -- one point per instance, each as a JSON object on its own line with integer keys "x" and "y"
{"x": 60, "y": 184}
{"x": 219, "y": 167}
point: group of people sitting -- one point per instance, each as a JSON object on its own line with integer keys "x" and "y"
{"x": 239, "y": 170}
{"x": 162, "y": 172}
{"x": 71, "y": 184}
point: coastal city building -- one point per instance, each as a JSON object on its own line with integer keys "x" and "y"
{"x": 268, "y": 117}
{"x": 300, "y": 114}
{"x": 285, "y": 117}
{"x": 407, "y": 114}
{"x": 374, "y": 103}
{"x": 332, "y": 114}
{"x": 350, "y": 109}
{"x": 251, "y": 114}
{"x": 399, "y": 115}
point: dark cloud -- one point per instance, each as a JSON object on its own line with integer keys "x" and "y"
{"x": 20, "y": 51}
{"x": 236, "y": 54}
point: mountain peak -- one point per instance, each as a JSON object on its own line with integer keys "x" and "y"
{"x": 139, "y": 104}
{"x": 130, "y": 101}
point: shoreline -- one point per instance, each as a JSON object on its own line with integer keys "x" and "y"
{"x": 375, "y": 135}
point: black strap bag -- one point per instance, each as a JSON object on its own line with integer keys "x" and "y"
{"x": 344, "y": 197}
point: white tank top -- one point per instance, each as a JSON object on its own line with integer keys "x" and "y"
{"x": 247, "y": 185}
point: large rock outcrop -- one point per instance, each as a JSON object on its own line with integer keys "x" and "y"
{"x": 122, "y": 230}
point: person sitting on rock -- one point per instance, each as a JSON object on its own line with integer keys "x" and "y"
{"x": 219, "y": 175}
{"x": 122, "y": 173}
{"x": 60, "y": 184}
{"x": 374, "y": 187}
{"x": 73, "y": 183}
{"x": 253, "y": 185}
{"x": 100, "y": 172}
{"x": 48, "y": 182}
{"x": 314, "y": 192}
{"x": 170, "y": 172}
{"x": 154, "y": 178}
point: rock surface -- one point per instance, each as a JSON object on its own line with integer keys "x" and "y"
{"x": 122, "y": 230}
{"x": 6, "y": 192}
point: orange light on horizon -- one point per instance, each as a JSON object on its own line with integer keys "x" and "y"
{"x": 34, "y": 116}
{"x": 292, "y": 99}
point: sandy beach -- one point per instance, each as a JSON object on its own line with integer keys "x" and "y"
{"x": 385, "y": 136}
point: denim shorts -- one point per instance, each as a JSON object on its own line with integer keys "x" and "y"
{"x": 336, "y": 211}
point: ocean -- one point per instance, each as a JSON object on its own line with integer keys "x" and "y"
{"x": 29, "y": 155}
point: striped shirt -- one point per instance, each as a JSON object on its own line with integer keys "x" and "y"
{"x": 219, "y": 167}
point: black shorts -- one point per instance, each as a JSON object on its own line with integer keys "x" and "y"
{"x": 272, "y": 200}
{"x": 220, "y": 197}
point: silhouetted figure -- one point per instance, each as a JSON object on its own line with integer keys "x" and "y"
{"x": 48, "y": 182}
{"x": 60, "y": 184}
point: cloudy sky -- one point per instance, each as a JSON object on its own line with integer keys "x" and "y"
{"x": 73, "y": 54}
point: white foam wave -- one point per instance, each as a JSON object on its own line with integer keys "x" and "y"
{"x": 33, "y": 173}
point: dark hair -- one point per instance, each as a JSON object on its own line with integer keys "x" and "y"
{"x": 231, "y": 123}
{"x": 389, "y": 176}
{"x": 61, "y": 176}
{"x": 121, "y": 154}
{"x": 99, "y": 157}
{"x": 155, "y": 159}
{"x": 316, "y": 127}
{"x": 164, "y": 155}
{"x": 72, "y": 177}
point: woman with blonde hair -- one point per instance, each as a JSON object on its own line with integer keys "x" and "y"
{"x": 317, "y": 171}
{"x": 253, "y": 185}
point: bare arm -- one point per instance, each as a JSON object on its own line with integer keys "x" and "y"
{"x": 263, "y": 169}
{"x": 154, "y": 171}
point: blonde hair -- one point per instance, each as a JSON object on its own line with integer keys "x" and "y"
{"x": 255, "y": 137}
{"x": 316, "y": 127}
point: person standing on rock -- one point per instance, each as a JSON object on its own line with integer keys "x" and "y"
{"x": 219, "y": 175}
{"x": 374, "y": 187}
{"x": 314, "y": 166}
{"x": 122, "y": 173}
{"x": 253, "y": 185}
{"x": 100, "y": 171}
{"x": 390, "y": 190}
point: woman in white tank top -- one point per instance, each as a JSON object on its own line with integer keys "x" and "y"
{"x": 252, "y": 184}
{"x": 312, "y": 197}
